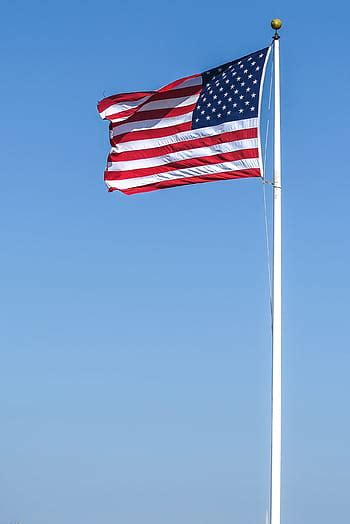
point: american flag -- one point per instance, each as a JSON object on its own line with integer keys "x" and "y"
{"x": 201, "y": 128}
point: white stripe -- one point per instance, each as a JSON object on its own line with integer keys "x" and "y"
{"x": 123, "y": 106}
{"x": 151, "y": 124}
{"x": 170, "y": 102}
{"x": 249, "y": 163}
{"x": 115, "y": 109}
{"x": 135, "y": 145}
{"x": 198, "y": 152}
{"x": 196, "y": 81}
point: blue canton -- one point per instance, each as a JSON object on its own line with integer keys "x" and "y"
{"x": 230, "y": 92}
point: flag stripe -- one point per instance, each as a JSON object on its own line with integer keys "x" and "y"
{"x": 154, "y": 123}
{"x": 231, "y": 156}
{"x": 166, "y": 184}
{"x": 126, "y": 98}
{"x": 132, "y": 141}
{"x": 115, "y": 164}
{"x": 168, "y": 103}
{"x": 150, "y": 133}
{"x": 188, "y": 81}
{"x": 140, "y": 116}
{"x": 249, "y": 163}
{"x": 121, "y": 111}
{"x": 114, "y": 107}
{"x": 185, "y": 142}
{"x": 178, "y": 92}
{"x": 182, "y": 164}
{"x": 163, "y": 103}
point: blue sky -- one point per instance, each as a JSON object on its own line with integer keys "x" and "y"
{"x": 135, "y": 360}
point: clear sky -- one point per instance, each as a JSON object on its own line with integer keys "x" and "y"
{"x": 135, "y": 338}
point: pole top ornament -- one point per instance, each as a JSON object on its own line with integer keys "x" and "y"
{"x": 276, "y": 24}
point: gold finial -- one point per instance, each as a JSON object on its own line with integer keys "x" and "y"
{"x": 276, "y": 24}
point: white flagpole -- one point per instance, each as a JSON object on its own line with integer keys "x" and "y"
{"x": 275, "y": 510}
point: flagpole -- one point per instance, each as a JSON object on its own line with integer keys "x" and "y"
{"x": 276, "y": 423}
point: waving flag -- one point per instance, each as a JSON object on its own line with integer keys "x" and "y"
{"x": 201, "y": 128}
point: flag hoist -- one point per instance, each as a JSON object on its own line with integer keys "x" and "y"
{"x": 204, "y": 128}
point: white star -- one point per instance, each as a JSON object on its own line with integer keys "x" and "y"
{"x": 234, "y": 74}
{"x": 197, "y": 119}
{"x": 241, "y": 110}
{"x": 238, "y": 78}
{"x": 242, "y": 84}
{"x": 239, "y": 62}
{"x": 204, "y": 99}
{"x": 227, "y": 81}
{"x": 249, "y": 76}
{"x": 241, "y": 97}
{"x": 253, "y": 95}
{"x": 219, "y": 115}
{"x": 257, "y": 68}
{"x": 221, "y": 89}
{"x": 247, "y": 103}
{"x": 215, "y": 97}
{"x": 228, "y": 112}
{"x": 248, "y": 89}
{"x": 261, "y": 55}
{"x": 253, "y": 63}
{"x": 213, "y": 110}
{"x": 255, "y": 82}
{"x": 223, "y": 107}
{"x": 208, "y": 105}
{"x": 249, "y": 59}
{"x": 230, "y": 99}
{"x": 207, "y": 117}
{"x": 232, "y": 86}
{"x": 245, "y": 71}
{"x": 241, "y": 66}
{"x": 202, "y": 112}
{"x": 219, "y": 103}
{"x": 252, "y": 108}
{"x": 236, "y": 91}
{"x": 225, "y": 94}
{"x": 235, "y": 105}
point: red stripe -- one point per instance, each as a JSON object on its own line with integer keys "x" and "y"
{"x": 139, "y": 154}
{"x": 150, "y": 133}
{"x": 176, "y": 93}
{"x": 244, "y": 173}
{"x": 122, "y": 97}
{"x": 154, "y": 114}
{"x": 122, "y": 114}
{"x": 153, "y": 96}
{"x": 176, "y": 83}
{"x": 183, "y": 164}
